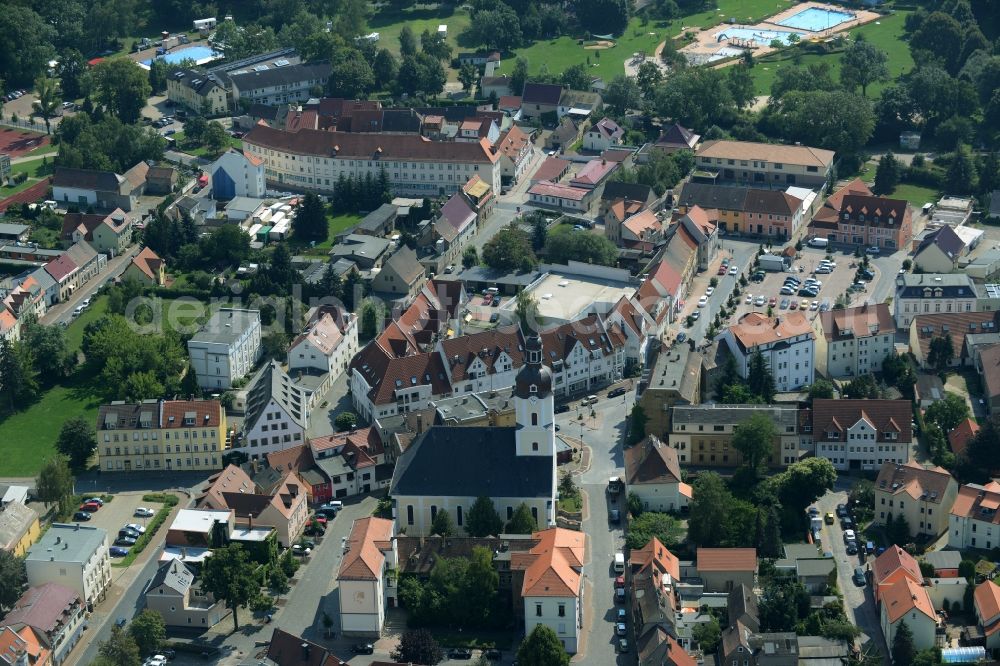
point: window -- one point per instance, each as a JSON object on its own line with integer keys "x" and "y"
{"x": 409, "y": 514}
{"x": 534, "y": 419}
{"x": 562, "y": 610}
{"x": 534, "y": 446}
{"x": 538, "y": 610}
{"x": 458, "y": 515}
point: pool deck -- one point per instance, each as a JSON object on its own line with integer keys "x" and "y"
{"x": 705, "y": 46}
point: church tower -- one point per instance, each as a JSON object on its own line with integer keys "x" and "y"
{"x": 534, "y": 408}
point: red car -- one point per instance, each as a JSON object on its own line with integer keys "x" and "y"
{"x": 487, "y": 299}
{"x": 90, "y": 507}
{"x": 773, "y": 301}
{"x": 721, "y": 271}
{"x": 620, "y": 582}
{"x": 319, "y": 519}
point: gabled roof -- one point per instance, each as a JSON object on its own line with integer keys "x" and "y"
{"x": 461, "y": 352}
{"x": 43, "y": 607}
{"x": 456, "y": 215}
{"x": 837, "y": 416}
{"x": 956, "y": 325}
{"x": 286, "y": 649}
{"x": 960, "y": 435}
{"x": 617, "y": 189}
{"x": 173, "y": 574}
{"x": 364, "y": 558}
{"x": 553, "y": 566}
{"x": 654, "y": 554}
{"x": 404, "y": 263}
{"x": 980, "y": 503}
{"x": 946, "y": 240}
{"x": 878, "y": 211}
{"x": 231, "y": 479}
{"x": 727, "y": 559}
{"x": 61, "y": 267}
{"x": 323, "y": 334}
{"x": 541, "y": 93}
{"x": 755, "y": 329}
{"x": 928, "y": 484}
{"x": 607, "y": 128}
{"x": 678, "y": 136}
{"x": 87, "y": 179}
{"x": 904, "y": 596}
{"x": 770, "y": 152}
{"x": 15, "y": 521}
{"x": 643, "y": 223}
{"x": 987, "y": 600}
{"x": 858, "y": 322}
{"x": 896, "y": 559}
{"x": 148, "y": 263}
{"x": 651, "y": 462}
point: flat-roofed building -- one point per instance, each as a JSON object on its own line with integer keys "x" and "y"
{"x": 74, "y": 556}
{"x": 226, "y": 348}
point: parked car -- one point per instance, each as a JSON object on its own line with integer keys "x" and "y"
{"x": 848, "y": 535}
{"x": 733, "y": 270}
{"x": 95, "y": 500}
{"x": 841, "y": 510}
{"x": 852, "y": 548}
{"x": 314, "y": 529}
{"x": 118, "y": 551}
{"x": 828, "y": 518}
{"x": 772, "y": 301}
{"x": 623, "y": 645}
{"x": 616, "y": 392}
{"x": 81, "y": 516}
{"x": 710, "y": 291}
{"x": 121, "y": 622}
{"x": 721, "y": 271}
{"x": 128, "y": 534}
{"x": 90, "y": 507}
{"x": 784, "y": 304}
{"x": 682, "y": 336}
{"x": 363, "y": 648}
{"x": 493, "y": 654}
{"x": 460, "y": 653}
{"x": 615, "y": 516}
{"x": 703, "y": 301}
{"x": 622, "y": 615}
{"x": 794, "y": 305}
{"x": 859, "y": 577}
{"x": 136, "y": 527}
{"x": 124, "y": 541}
{"x": 143, "y": 512}
{"x": 787, "y": 291}
{"x": 812, "y": 511}
{"x": 300, "y": 550}
{"x": 696, "y": 315}
{"x": 760, "y": 301}
{"x": 561, "y": 409}
{"x": 621, "y": 629}
{"x": 874, "y": 251}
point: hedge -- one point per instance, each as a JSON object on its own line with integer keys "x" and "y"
{"x": 169, "y": 502}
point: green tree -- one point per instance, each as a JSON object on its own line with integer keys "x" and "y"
{"x": 480, "y": 586}
{"x": 522, "y": 522}
{"x": 887, "y": 174}
{"x": 352, "y": 18}
{"x": 961, "y": 176}
{"x": 863, "y": 64}
{"x": 385, "y": 68}
{"x": 72, "y": 70}
{"x": 741, "y": 86}
{"x": 77, "y": 441}
{"x": 277, "y": 581}
{"x": 603, "y": 16}
{"x": 467, "y": 75}
{"x": 821, "y": 388}
{"x": 709, "y": 511}
{"x": 310, "y": 218}
{"x": 48, "y": 102}
{"x": 565, "y": 244}
{"x": 784, "y": 602}
{"x": 435, "y": 45}
{"x": 760, "y": 381}
{"x": 418, "y": 646}
{"x": 120, "y": 649}
{"x": 215, "y": 138}
{"x": 897, "y": 529}
{"x": 708, "y": 634}
{"x": 159, "y": 71}
{"x": 18, "y": 379}
{"x": 903, "y": 650}
{"x": 651, "y": 524}
{"x": 371, "y": 318}
{"x": 497, "y": 27}
{"x": 470, "y": 257}
{"x": 13, "y": 579}
{"x": 542, "y": 648}
{"x": 229, "y": 575}
{"x": 350, "y": 76}
{"x": 940, "y": 353}
{"x": 442, "y": 524}
{"x": 346, "y": 421}
{"x": 526, "y": 309}
{"x": 52, "y": 356}
{"x": 54, "y": 484}
{"x": 754, "y": 439}
{"x": 122, "y": 87}
{"x": 637, "y": 424}
{"x": 27, "y": 44}
{"x": 194, "y": 130}
{"x": 623, "y": 93}
{"x": 148, "y": 630}
{"x": 518, "y": 75}
{"x": 803, "y": 482}
{"x": 648, "y": 76}
{"x": 274, "y": 345}
{"x": 836, "y": 120}
{"x": 483, "y": 519}
{"x": 949, "y": 412}
{"x": 407, "y": 41}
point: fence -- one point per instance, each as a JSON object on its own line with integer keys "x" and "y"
{"x": 23, "y": 124}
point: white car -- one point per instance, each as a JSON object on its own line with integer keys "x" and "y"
{"x": 814, "y": 305}
{"x": 143, "y": 512}
{"x": 710, "y": 291}
{"x": 78, "y": 310}
{"x": 135, "y": 526}
{"x": 749, "y": 299}
{"x": 733, "y": 270}
{"x": 760, "y": 300}
{"x": 703, "y": 301}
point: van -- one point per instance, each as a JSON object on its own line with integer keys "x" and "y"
{"x": 818, "y": 242}
{"x": 589, "y": 400}
{"x": 619, "y": 563}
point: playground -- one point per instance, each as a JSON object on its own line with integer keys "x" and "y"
{"x": 806, "y": 21}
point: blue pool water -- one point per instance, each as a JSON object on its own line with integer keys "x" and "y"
{"x": 196, "y": 53}
{"x": 816, "y": 19}
{"x": 764, "y": 37}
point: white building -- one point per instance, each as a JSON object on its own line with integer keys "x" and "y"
{"x": 315, "y": 159}
{"x": 974, "y": 521}
{"x": 787, "y": 344}
{"x": 510, "y": 465}
{"x": 237, "y": 174}
{"x": 854, "y": 341}
{"x": 366, "y": 585}
{"x": 926, "y": 293}
{"x": 862, "y": 434}
{"x": 553, "y": 583}
{"x": 74, "y": 556}
{"x": 277, "y": 412}
{"x": 602, "y": 135}
{"x": 277, "y": 82}
{"x": 226, "y": 348}
{"x": 327, "y": 345}
{"x": 653, "y": 474}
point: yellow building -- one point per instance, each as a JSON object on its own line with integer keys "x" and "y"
{"x": 200, "y": 92}
{"x": 161, "y": 435}
{"x": 19, "y": 528}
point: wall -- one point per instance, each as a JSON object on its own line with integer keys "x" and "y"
{"x": 565, "y": 627}
{"x": 543, "y": 507}
{"x": 361, "y": 609}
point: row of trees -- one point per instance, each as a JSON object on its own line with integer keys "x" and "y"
{"x": 103, "y": 141}
{"x": 460, "y": 592}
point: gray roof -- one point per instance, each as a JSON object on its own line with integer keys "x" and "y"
{"x": 713, "y": 414}
{"x": 280, "y": 76}
{"x": 360, "y": 247}
{"x": 943, "y": 559}
{"x": 174, "y": 575}
{"x": 469, "y": 462}
{"x": 954, "y": 285}
{"x": 995, "y": 203}
{"x": 87, "y": 179}
{"x": 264, "y": 386}
{"x": 44, "y": 280}
{"x": 200, "y": 82}
{"x": 404, "y": 263}
{"x": 15, "y": 520}
{"x": 945, "y": 239}
{"x": 81, "y": 253}
{"x": 713, "y": 196}
{"x": 616, "y": 189}
{"x": 817, "y": 566}
{"x": 673, "y": 370}
{"x": 493, "y": 276}
{"x": 378, "y": 218}
{"x": 68, "y": 543}
{"x": 13, "y": 229}
{"x": 226, "y": 325}
{"x": 248, "y": 204}
{"x": 929, "y": 387}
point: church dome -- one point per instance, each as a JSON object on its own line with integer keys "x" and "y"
{"x": 534, "y": 378}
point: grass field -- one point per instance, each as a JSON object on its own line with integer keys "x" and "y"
{"x": 201, "y": 151}
{"x": 389, "y": 23}
{"x": 887, "y": 34}
{"x": 30, "y": 435}
{"x": 35, "y": 169}
{"x": 336, "y": 224}
{"x": 917, "y": 195}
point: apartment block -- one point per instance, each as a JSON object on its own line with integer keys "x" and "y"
{"x": 226, "y": 348}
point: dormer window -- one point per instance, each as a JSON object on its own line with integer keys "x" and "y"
{"x": 832, "y": 434}
{"x": 533, "y": 389}
{"x": 890, "y": 435}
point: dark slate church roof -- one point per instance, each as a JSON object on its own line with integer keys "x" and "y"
{"x": 470, "y": 462}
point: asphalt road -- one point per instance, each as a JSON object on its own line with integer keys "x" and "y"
{"x": 62, "y": 313}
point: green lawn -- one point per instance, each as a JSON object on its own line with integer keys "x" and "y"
{"x": 886, "y": 33}
{"x": 30, "y": 435}
{"x": 201, "y": 151}
{"x": 36, "y": 169}
{"x": 389, "y": 23}
{"x": 917, "y": 195}
{"x": 337, "y": 224}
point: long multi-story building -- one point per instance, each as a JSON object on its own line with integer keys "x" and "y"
{"x": 787, "y": 344}
{"x": 926, "y": 293}
{"x": 703, "y": 434}
{"x": 157, "y": 435}
{"x": 765, "y": 163}
{"x": 862, "y": 434}
{"x": 226, "y": 348}
{"x": 315, "y": 159}
{"x": 854, "y": 216}
{"x": 854, "y": 341}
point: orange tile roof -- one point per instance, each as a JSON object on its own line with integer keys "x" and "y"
{"x": 643, "y": 223}
{"x": 364, "y": 559}
{"x": 148, "y": 262}
{"x": 256, "y": 161}
{"x": 207, "y": 413}
{"x": 727, "y": 559}
{"x": 900, "y": 598}
{"x": 756, "y": 329}
{"x": 960, "y": 435}
{"x": 771, "y": 152}
{"x": 656, "y": 554}
{"x": 231, "y": 479}
{"x": 972, "y": 499}
{"x": 324, "y": 334}
{"x": 552, "y": 568}
{"x": 896, "y": 559}
{"x": 987, "y": 599}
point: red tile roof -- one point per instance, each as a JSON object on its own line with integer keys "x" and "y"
{"x": 61, "y": 267}
{"x": 364, "y": 559}
{"x": 987, "y": 600}
{"x": 960, "y": 435}
{"x": 148, "y": 262}
{"x": 857, "y": 322}
{"x": 836, "y": 416}
{"x": 206, "y": 413}
{"x": 487, "y": 346}
{"x": 896, "y": 559}
{"x": 904, "y": 596}
{"x": 546, "y": 189}
{"x": 552, "y": 169}
{"x": 552, "y": 568}
{"x": 727, "y": 559}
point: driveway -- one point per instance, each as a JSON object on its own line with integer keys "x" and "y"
{"x": 859, "y": 602}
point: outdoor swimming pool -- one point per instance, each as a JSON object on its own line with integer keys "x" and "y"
{"x": 763, "y": 37}
{"x": 816, "y": 19}
{"x": 199, "y": 54}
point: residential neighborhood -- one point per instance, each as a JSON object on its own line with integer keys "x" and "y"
{"x": 657, "y": 334}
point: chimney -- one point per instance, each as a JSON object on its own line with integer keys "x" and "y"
{"x": 58, "y": 540}
{"x": 420, "y": 423}
{"x": 305, "y": 651}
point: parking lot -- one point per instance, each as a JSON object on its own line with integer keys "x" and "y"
{"x": 120, "y": 511}
{"x": 758, "y": 296}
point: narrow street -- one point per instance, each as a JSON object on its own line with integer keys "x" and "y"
{"x": 62, "y": 313}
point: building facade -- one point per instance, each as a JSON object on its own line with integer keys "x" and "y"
{"x": 862, "y": 434}
{"x": 923, "y": 495}
{"x": 226, "y": 348}
{"x": 854, "y": 341}
{"x": 974, "y": 522}
{"x": 787, "y": 344}
{"x": 926, "y": 293}
{"x": 702, "y": 434}
{"x": 764, "y": 163}
{"x": 367, "y": 579}
{"x": 74, "y": 556}
{"x": 552, "y": 587}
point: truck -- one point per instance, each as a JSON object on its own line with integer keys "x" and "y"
{"x": 615, "y": 486}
